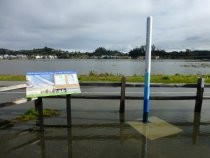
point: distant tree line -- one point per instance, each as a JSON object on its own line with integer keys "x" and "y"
{"x": 101, "y": 52}
{"x": 162, "y": 54}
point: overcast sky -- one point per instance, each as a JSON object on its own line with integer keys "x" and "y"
{"x": 114, "y": 24}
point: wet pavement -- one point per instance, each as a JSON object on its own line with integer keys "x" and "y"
{"x": 98, "y": 130}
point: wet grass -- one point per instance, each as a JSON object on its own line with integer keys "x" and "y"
{"x": 29, "y": 115}
{"x": 158, "y": 78}
{"x": 7, "y": 77}
{"x": 108, "y": 77}
{"x": 32, "y": 114}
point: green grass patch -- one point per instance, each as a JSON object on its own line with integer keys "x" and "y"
{"x": 177, "y": 78}
{"x": 32, "y": 114}
{"x": 107, "y": 77}
{"x": 12, "y": 77}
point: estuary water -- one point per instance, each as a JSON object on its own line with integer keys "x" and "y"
{"x": 114, "y": 66}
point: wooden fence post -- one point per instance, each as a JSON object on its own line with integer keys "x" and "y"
{"x": 199, "y": 95}
{"x": 122, "y": 94}
{"x": 68, "y": 110}
{"x": 39, "y": 108}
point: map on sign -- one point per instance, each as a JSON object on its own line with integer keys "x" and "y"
{"x": 41, "y": 84}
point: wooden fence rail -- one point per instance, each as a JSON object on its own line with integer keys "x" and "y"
{"x": 198, "y": 97}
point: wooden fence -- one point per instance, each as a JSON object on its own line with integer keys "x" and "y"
{"x": 198, "y": 97}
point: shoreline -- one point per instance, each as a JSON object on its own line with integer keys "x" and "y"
{"x": 107, "y": 77}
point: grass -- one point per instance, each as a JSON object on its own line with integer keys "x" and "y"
{"x": 107, "y": 77}
{"x": 157, "y": 78}
{"x": 12, "y": 77}
{"x": 32, "y": 114}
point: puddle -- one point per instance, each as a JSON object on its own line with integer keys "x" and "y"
{"x": 104, "y": 133}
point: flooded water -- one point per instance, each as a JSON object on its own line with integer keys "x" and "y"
{"x": 99, "y": 131}
{"x": 117, "y": 66}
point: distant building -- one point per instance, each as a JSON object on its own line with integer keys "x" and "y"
{"x": 155, "y": 57}
{"x": 6, "y": 56}
{"x": 52, "y": 57}
{"x": 38, "y": 57}
{"x": 21, "y": 56}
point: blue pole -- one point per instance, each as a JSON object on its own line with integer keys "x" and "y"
{"x": 147, "y": 70}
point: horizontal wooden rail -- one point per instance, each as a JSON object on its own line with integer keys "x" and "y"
{"x": 14, "y": 87}
{"x": 18, "y": 101}
{"x": 105, "y": 97}
{"x": 117, "y": 84}
{"x": 111, "y": 97}
{"x": 132, "y": 84}
{"x": 117, "y": 97}
{"x": 198, "y": 97}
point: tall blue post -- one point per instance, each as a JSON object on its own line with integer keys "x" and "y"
{"x": 147, "y": 70}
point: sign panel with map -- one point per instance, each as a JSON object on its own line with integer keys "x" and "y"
{"x": 40, "y": 84}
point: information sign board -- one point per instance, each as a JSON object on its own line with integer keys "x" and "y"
{"x": 40, "y": 84}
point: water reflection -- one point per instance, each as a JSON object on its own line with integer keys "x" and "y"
{"x": 106, "y": 139}
{"x": 70, "y": 137}
{"x": 41, "y": 136}
{"x": 122, "y": 122}
{"x": 144, "y": 143}
{"x": 70, "y": 145}
{"x": 94, "y": 141}
{"x": 196, "y": 126}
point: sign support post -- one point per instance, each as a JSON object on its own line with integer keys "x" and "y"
{"x": 147, "y": 70}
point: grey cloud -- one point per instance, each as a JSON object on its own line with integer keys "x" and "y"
{"x": 194, "y": 38}
{"x": 86, "y": 25}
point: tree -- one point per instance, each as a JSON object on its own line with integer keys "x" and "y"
{"x": 153, "y": 48}
{"x": 100, "y": 51}
{"x": 136, "y": 52}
